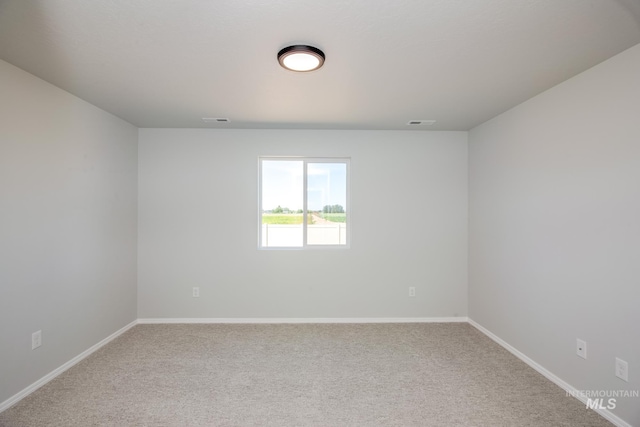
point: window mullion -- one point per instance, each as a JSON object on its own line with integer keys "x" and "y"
{"x": 304, "y": 204}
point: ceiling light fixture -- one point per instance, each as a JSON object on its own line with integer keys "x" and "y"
{"x": 301, "y": 58}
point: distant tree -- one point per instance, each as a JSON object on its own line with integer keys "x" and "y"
{"x": 299, "y": 211}
{"x": 278, "y": 209}
{"x": 333, "y": 209}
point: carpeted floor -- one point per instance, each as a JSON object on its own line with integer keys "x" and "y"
{"x": 301, "y": 375}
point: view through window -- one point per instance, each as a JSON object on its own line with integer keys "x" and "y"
{"x": 303, "y": 202}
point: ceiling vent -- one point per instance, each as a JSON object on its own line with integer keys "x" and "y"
{"x": 420, "y": 122}
{"x": 215, "y": 120}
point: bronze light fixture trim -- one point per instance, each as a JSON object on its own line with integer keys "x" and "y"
{"x": 301, "y": 58}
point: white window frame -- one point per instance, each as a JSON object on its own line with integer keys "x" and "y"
{"x": 305, "y": 161}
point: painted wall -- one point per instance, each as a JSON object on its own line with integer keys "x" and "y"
{"x": 198, "y": 197}
{"x": 554, "y": 234}
{"x": 67, "y": 226}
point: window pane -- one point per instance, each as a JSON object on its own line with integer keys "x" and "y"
{"x": 327, "y": 203}
{"x": 282, "y": 203}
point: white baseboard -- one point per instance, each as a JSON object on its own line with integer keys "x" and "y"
{"x": 51, "y": 375}
{"x": 606, "y": 414}
{"x": 307, "y": 320}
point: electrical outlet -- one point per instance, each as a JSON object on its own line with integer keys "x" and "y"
{"x": 412, "y": 291}
{"x": 196, "y": 292}
{"x": 622, "y": 369}
{"x": 36, "y": 340}
{"x": 581, "y": 348}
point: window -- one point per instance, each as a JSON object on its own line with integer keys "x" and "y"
{"x": 303, "y": 202}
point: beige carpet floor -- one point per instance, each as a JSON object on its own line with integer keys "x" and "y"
{"x": 301, "y": 375}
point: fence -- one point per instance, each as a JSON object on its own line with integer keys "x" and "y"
{"x": 279, "y": 235}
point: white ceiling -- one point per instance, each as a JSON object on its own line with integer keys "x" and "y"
{"x": 168, "y": 63}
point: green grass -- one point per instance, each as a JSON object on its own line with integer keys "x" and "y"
{"x": 334, "y": 217}
{"x": 271, "y": 218}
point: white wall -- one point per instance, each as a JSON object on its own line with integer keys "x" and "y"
{"x": 554, "y": 241}
{"x": 198, "y": 196}
{"x": 67, "y": 226}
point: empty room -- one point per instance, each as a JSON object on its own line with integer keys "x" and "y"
{"x": 307, "y": 213}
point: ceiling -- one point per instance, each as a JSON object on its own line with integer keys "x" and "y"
{"x": 168, "y": 63}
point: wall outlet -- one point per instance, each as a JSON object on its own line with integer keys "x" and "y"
{"x": 36, "y": 340}
{"x": 581, "y": 348}
{"x": 622, "y": 369}
{"x": 196, "y": 292}
{"x": 412, "y": 291}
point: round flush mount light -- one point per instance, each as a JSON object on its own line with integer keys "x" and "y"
{"x": 301, "y": 58}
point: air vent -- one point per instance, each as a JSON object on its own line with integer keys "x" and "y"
{"x": 215, "y": 120}
{"x": 421, "y": 122}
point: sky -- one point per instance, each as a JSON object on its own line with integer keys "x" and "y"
{"x": 282, "y": 184}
